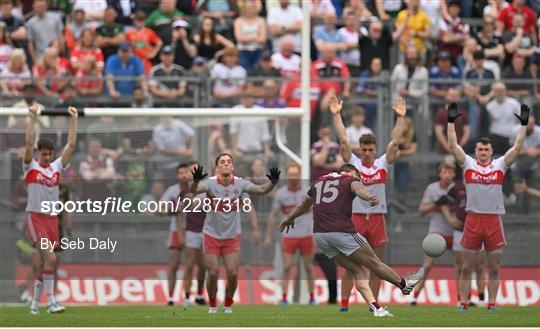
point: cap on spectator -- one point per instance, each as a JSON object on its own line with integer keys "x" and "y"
{"x": 124, "y": 46}
{"x": 479, "y": 54}
{"x": 444, "y": 55}
{"x": 139, "y": 15}
{"x": 166, "y": 50}
{"x": 180, "y": 23}
{"x": 199, "y": 60}
{"x": 454, "y": 3}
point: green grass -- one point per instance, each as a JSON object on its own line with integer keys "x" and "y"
{"x": 270, "y": 316}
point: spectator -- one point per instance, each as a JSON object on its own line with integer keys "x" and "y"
{"x": 111, "y": 34}
{"x": 413, "y": 27}
{"x": 490, "y": 41}
{"x": 94, "y": 11}
{"x": 124, "y": 65}
{"x": 166, "y": 83}
{"x": 522, "y": 91}
{"x": 198, "y": 71}
{"x": 270, "y": 97}
{"x": 466, "y": 59}
{"x": 402, "y": 169}
{"x": 250, "y": 35}
{"x": 208, "y": 41}
{"x": 505, "y": 20}
{"x": 139, "y": 140}
{"x": 443, "y": 71}
{"x": 437, "y": 10}
{"x": 358, "y": 9}
{"x": 285, "y": 21}
{"x": 479, "y": 72}
{"x": 89, "y": 79}
{"x": 75, "y": 28}
{"x": 388, "y": 8}
{"x": 453, "y": 31}
{"x": 173, "y": 137}
{"x": 68, "y": 97}
{"x": 6, "y": 46}
{"x": 410, "y": 79}
{"x": 535, "y": 71}
{"x": 144, "y": 41}
{"x": 108, "y": 132}
{"x": 492, "y": 10}
{"x": 161, "y": 19}
{"x": 15, "y": 26}
{"x": 157, "y": 189}
{"x": 97, "y": 172}
{"x": 320, "y": 8}
{"x": 185, "y": 49}
{"x": 285, "y": 60}
{"x": 42, "y": 29}
{"x": 463, "y": 131}
{"x": 376, "y": 43}
{"x": 262, "y": 70}
{"x": 501, "y": 112}
{"x": 527, "y": 163}
{"x": 125, "y": 10}
{"x": 329, "y": 66}
{"x": 357, "y": 128}
{"x": 85, "y": 49}
{"x": 291, "y": 93}
{"x": 517, "y": 40}
{"x": 229, "y": 79}
{"x": 139, "y": 100}
{"x": 328, "y": 34}
{"x": 370, "y": 89}
{"x": 351, "y": 35}
{"x": 133, "y": 183}
{"x": 50, "y": 73}
{"x": 325, "y": 156}
{"x": 250, "y": 136}
{"x": 15, "y": 75}
{"x": 221, "y": 11}
{"x": 216, "y": 143}
{"x": 257, "y": 171}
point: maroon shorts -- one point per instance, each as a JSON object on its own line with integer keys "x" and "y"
{"x": 305, "y": 245}
{"x": 372, "y": 227}
{"x": 41, "y": 226}
{"x": 486, "y": 228}
{"x": 221, "y": 247}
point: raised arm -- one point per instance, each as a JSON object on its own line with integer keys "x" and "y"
{"x": 298, "y": 211}
{"x": 29, "y": 139}
{"x": 266, "y": 187}
{"x": 515, "y": 150}
{"x": 453, "y": 145}
{"x": 397, "y": 132}
{"x": 72, "y": 136}
{"x": 360, "y": 190}
{"x": 198, "y": 176}
{"x": 345, "y": 147}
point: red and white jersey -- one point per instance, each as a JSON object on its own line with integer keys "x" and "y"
{"x": 437, "y": 222}
{"x": 285, "y": 200}
{"x": 42, "y": 183}
{"x": 374, "y": 179}
{"x": 484, "y": 186}
{"x": 223, "y": 221}
{"x": 172, "y": 194}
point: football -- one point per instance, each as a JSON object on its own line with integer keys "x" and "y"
{"x": 434, "y": 245}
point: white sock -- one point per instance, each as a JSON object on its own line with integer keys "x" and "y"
{"x": 48, "y": 281}
{"x": 38, "y": 288}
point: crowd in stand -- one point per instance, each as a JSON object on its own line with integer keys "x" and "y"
{"x": 155, "y": 53}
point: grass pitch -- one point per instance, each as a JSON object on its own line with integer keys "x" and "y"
{"x": 270, "y": 316}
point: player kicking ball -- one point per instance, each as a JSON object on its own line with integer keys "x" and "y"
{"x": 301, "y": 238}
{"x": 221, "y": 227}
{"x": 42, "y": 179}
{"x": 331, "y": 197}
{"x": 484, "y": 178}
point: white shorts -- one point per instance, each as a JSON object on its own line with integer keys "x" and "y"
{"x": 456, "y": 245}
{"x": 332, "y": 243}
{"x": 194, "y": 240}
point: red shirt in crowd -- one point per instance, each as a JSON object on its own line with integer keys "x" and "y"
{"x": 337, "y": 68}
{"x": 529, "y": 17}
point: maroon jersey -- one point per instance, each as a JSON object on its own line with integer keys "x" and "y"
{"x": 194, "y": 220}
{"x": 332, "y": 205}
{"x": 459, "y": 193}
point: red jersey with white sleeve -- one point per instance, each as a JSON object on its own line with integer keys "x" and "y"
{"x": 42, "y": 184}
{"x": 332, "y": 207}
{"x": 286, "y": 200}
{"x": 223, "y": 222}
{"x": 374, "y": 179}
{"x": 484, "y": 186}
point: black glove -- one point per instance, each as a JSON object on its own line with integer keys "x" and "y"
{"x": 453, "y": 112}
{"x": 198, "y": 174}
{"x": 445, "y": 199}
{"x": 524, "y": 116}
{"x": 274, "y": 175}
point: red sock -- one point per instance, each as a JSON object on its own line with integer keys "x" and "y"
{"x": 171, "y": 293}
{"x": 228, "y": 301}
{"x": 311, "y": 296}
{"x": 416, "y": 294}
{"x": 376, "y": 305}
{"x": 284, "y": 297}
{"x": 345, "y": 303}
{"x": 212, "y": 301}
{"x": 200, "y": 291}
{"x": 464, "y": 305}
{"x": 490, "y": 305}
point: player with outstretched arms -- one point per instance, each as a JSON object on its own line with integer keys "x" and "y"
{"x": 331, "y": 197}
{"x": 369, "y": 221}
{"x": 42, "y": 179}
{"x": 301, "y": 238}
{"x": 483, "y": 177}
{"x": 221, "y": 228}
